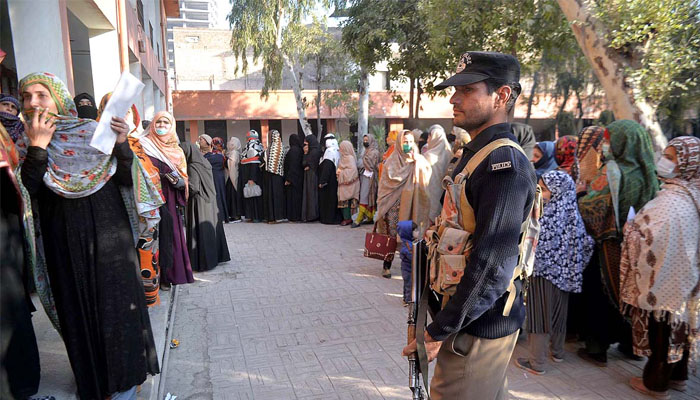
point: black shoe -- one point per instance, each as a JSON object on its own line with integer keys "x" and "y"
{"x": 600, "y": 360}
{"x": 354, "y": 225}
{"x": 386, "y": 273}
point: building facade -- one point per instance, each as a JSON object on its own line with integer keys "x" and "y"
{"x": 213, "y": 96}
{"x": 88, "y": 43}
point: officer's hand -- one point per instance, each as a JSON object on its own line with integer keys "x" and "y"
{"x": 431, "y": 347}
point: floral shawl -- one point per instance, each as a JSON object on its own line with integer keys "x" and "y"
{"x": 12, "y": 123}
{"x": 565, "y": 155}
{"x": 564, "y": 248}
{"x": 75, "y": 168}
{"x": 660, "y": 267}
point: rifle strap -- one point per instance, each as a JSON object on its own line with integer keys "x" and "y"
{"x": 420, "y": 339}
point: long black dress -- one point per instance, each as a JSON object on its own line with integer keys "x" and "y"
{"x": 218, "y": 164}
{"x": 93, "y": 268}
{"x": 273, "y": 196}
{"x": 19, "y": 354}
{"x": 328, "y": 193}
{"x": 253, "y": 206}
{"x": 309, "y": 204}
{"x": 294, "y": 175}
{"x": 206, "y": 239}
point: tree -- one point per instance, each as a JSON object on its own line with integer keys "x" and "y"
{"x": 644, "y": 55}
{"x": 275, "y": 32}
{"x": 366, "y": 40}
{"x": 333, "y": 68}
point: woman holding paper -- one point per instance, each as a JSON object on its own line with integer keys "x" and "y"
{"x": 161, "y": 145}
{"x": 90, "y": 249}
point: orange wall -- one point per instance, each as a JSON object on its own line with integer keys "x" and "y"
{"x": 245, "y": 105}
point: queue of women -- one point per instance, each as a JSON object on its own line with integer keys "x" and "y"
{"x": 618, "y": 258}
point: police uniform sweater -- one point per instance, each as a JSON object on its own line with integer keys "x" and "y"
{"x": 500, "y": 191}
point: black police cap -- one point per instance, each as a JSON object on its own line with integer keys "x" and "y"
{"x": 476, "y": 66}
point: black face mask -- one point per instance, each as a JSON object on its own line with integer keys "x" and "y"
{"x": 87, "y": 112}
{"x": 366, "y": 144}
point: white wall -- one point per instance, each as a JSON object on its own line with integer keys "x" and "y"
{"x": 104, "y": 57}
{"x": 80, "y": 54}
{"x": 37, "y": 37}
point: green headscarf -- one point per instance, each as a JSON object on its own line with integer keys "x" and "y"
{"x": 630, "y": 145}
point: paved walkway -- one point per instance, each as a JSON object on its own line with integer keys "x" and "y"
{"x": 300, "y": 314}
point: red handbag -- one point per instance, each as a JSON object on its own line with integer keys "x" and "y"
{"x": 379, "y": 246}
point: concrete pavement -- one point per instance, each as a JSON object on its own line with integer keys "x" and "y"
{"x": 299, "y": 313}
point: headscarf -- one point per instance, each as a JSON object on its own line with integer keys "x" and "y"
{"x": 274, "y": 157}
{"x": 370, "y": 159}
{"x": 391, "y": 137}
{"x": 217, "y": 145}
{"x": 688, "y": 153}
{"x": 206, "y": 149}
{"x": 332, "y": 149}
{"x": 406, "y": 181}
{"x": 233, "y": 157}
{"x": 525, "y": 136}
{"x": 253, "y": 148}
{"x": 630, "y": 145}
{"x": 564, "y": 248}
{"x": 438, "y": 153}
{"x": 313, "y": 156}
{"x": 547, "y": 162}
{"x": 660, "y": 267}
{"x": 293, "y": 170}
{"x": 166, "y": 147}
{"x": 565, "y": 155}
{"x": 134, "y": 124}
{"x": 199, "y": 172}
{"x": 86, "y": 111}
{"x": 348, "y": 177}
{"x": 75, "y": 168}
{"x": 12, "y": 123}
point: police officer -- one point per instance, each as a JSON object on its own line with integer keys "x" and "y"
{"x": 471, "y": 338}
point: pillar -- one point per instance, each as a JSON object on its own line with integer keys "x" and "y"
{"x": 194, "y": 131}
{"x": 395, "y": 125}
{"x": 41, "y": 39}
{"x": 331, "y": 125}
{"x": 264, "y": 129}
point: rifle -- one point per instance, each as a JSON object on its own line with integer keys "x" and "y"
{"x": 418, "y": 281}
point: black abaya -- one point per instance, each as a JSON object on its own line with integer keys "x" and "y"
{"x": 206, "y": 240}
{"x": 218, "y": 162}
{"x": 19, "y": 354}
{"x": 328, "y": 193}
{"x": 92, "y": 263}
{"x": 232, "y": 201}
{"x": 273, "y": 196}
{"x": 294, "y": 175}
{"x": 253, "y": 206}
{"x": 309, "y": 204}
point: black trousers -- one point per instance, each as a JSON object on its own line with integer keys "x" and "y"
{"x": 658, "y": 372}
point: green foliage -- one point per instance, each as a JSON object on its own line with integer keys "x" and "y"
{"x": 275, "y": 33}
{"x": 661, "y": 39}
{"x": 379, "y": 133}
{"x": 605, "y": 118}
{"x": 566, "y": 124}
{"x": 367, "y": 33}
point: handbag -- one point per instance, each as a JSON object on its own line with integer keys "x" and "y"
{"x": 379, "y": 246}
{"x": 251, "y": 191}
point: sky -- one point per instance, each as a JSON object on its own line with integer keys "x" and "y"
{"x": 224, "y": 7}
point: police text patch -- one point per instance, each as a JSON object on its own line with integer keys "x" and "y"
{"x": 501, "y": 165}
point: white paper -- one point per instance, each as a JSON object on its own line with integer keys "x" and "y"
{"x": 123, "y": 96}
{"x": 367, "y": 174}
{"x": 631, "y": 214}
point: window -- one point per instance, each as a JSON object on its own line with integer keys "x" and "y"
{"x": 139, "y": 12}
{"x": 150, "y": 29}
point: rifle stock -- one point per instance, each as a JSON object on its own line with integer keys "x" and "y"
{"x": 418, "y": 276}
